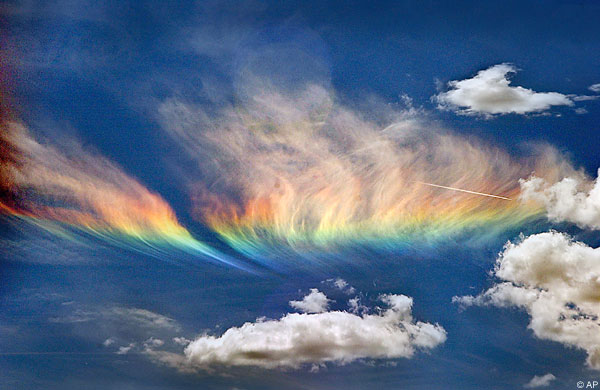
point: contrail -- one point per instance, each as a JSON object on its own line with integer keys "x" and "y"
{"x": 467, "y": 191}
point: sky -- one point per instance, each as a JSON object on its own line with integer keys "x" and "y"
{"x": 299, "y": 195}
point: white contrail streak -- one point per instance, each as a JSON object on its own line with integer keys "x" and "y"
{"x": 467, "y": 191}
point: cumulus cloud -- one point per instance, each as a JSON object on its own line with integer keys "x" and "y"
{"x": 557, "y": 281}
{"x": 540, "y": 381}
{"x": 297, "y": 339}
{"x": 594, "y": 87}
{"x": 356, "y": 306}
{"x": 315, "y": 302}
{"x": 574, "y": 199}
{"x": 153, "y": 342}
{"x": 181, "y": 341}
{"x": 124, "y": 350}
{"x": 342, "y": 285}
{"x": 489, "y": 92}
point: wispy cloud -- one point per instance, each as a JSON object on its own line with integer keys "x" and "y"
{"x": 594, "y": 87}
{"x": 540, "y": 381}
{"x": 296, "y": 168}
{"x": 342, "y": 285}
{"x": 62, "y": 188}
{"x": 123, "y": 316}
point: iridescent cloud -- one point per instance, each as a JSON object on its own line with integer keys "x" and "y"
{"x": 299, "y": 170}
{"x": 70, "y": 188}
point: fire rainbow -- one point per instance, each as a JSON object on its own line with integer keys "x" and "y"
{"x": 258, "y": 229}
{"x": 302, "y": 171}
{"x": 77, "y": 191}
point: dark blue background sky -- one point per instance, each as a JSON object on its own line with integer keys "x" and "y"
{"x": 97, "y": 70}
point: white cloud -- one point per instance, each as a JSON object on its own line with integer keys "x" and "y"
{"x": 123, "y": 329}
{"x": 144, "y": 318}
{"x": 181, "y": 341}
{"x": 583, "y": 98}
{"x": 557, "y": 281}
{"x": 341, "y": 285}
{"x": 344, "y": 286}
{"x": 171, "y": 359}
{"x": 540, "y": 381}
{"x": 123, "y": 316}
{"x": 594, "y": 87}
{"x": 77, "y": 316}
{"x": 574, "y": 199}
{"x": 315, "y": 302}
{"x": 301, "y": 338}
{"x": 125, "y": 349}
{"x": 489, "y": 92}
{"x": 153, "y": 342}
{"x": 356, "y": 306}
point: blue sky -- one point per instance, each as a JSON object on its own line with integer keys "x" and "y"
{"x": 83, "y": 306}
